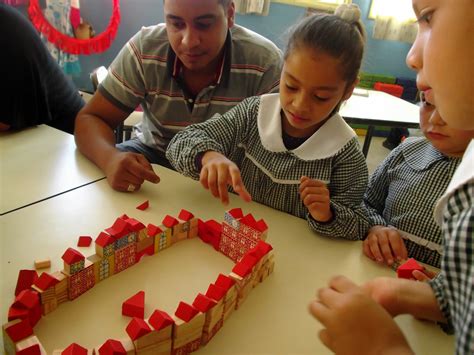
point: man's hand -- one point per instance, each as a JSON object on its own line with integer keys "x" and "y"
{"x": 217, "y": 172}
{"x": 315, "y": 196}
{"x": 127, "y": 171}
{"x": 384, "y": 245}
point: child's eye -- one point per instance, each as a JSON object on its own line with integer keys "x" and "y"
{"x": 177, "y": 25}
{"x": 203, "y": 25}
{"x": 291, "y": 88}
{"x": 425, "y": 17}
{"x": 319, "y": 98}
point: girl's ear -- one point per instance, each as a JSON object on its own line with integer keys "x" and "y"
{"x": 231, "y": 14}
{"x": 350, "y": 89}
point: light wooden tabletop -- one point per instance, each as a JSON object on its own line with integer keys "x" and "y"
{"x": 273, "y": 320}
{"x": 40, "y": 162}
{"x": 380, "y": 108}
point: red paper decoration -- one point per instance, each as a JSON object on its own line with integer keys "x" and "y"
{"x": 72, "y": 45}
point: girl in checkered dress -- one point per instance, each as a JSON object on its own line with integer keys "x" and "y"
{"x": 442, "y": 56}
{"x": 292, "y": 150}
{"x": 404, "y": 189}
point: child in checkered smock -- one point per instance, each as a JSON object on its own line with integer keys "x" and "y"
{"x": 442, "y": 56}
{"x": 292, "y": 150}
{"x": 404, "y": 189}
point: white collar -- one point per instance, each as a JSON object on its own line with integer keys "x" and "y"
{"x": 324, "y": 143}
{"x": 464, "y": 173}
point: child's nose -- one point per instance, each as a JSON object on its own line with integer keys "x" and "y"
{"x": 414, "y": 56}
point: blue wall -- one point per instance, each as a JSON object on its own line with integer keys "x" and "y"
{"x": 382, "y": 57}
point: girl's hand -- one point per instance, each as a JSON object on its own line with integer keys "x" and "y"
{"x": 424, "y": 275}
{"x": 384, "y": 245}
{"x": 353, "y": 320}
{"x": 315, "y": 196}
{"x": 217, "y": 172}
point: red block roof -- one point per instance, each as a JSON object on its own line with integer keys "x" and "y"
{"x": 185, "y": 311}
{"x": 45, "y": 281}
{"x": 224, "y": 281}
{"x": 169, "y": 221}
{"x": 185, "y": 215}
{"x": 203, "y": 303}
{"x": 137, "y": 328}
{"x": 112, "y": 347}
{"x": 215, "y": 292}
{"x": 160, "y": 320}
{"x": 72, "y": 256}
{"x": 153, "y": 230}
{"x": 74, "y": 349}
{"x": 104, "y": 239}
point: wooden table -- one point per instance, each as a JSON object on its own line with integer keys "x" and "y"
{"x": 38, "y": 163}
{"x": 379, "y": 109}
{"x": 273, "y": 320}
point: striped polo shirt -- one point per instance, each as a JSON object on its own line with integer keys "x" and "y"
{"x": 147, "y": 72}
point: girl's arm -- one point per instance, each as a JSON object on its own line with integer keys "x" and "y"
{"x": 346, "y": 188}
{"x": 221, "y": 133}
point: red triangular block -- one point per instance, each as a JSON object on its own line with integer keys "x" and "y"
{"x": 405, "y": 271}
{"x": 185, "y": 311}
{"x": 160, "y": 320}
{"x": 84, "y": 241}
{"x": 74, "y": 349}
{"x": 137, "y": 328}
{"x": 134, "y": 306}
{"x": 26, "y": 278}
{"x": 143, "y": 206}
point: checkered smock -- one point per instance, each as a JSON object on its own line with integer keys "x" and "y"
{"x": 454, "y": 288}
{"x": 250, "y": 135}
{"x": 403, "y": 192}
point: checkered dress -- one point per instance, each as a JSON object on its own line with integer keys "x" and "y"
{"x": 454, "y": 288}
{"x": 403, "y": 192}
{"x": 272, "y": 177}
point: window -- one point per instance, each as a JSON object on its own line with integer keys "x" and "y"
{"x": 400, "y": 10}
{"x": 324, "y": 5}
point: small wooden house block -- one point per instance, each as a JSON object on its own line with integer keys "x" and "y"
{"x": 73, "y": 261}
{"x": 45, "y": 286}
{"x": 213, "y": 315}
{"x": 162, "y": 238}
{"x": 14, "y": 332}
{"x": 104, "y": 245}
{"x": 162, "y": 324}
{"x": 73, "y": 349}
{"x": 145, "y": 339}
{"x": 187, "y": 333}
{"x": 231, "y": 295}
{"x": 189, "y": 223}
{"x": 138, "y": 228}
{"x": 81, "y": 281}
{"x": 171, "y": 223}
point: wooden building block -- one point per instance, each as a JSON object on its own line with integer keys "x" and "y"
{"x": 30, "y": 345}
{"x": 14, "y": 332}
{"x": 73, "y": 349}
{"x": 42, "y": 264}
{"x": 163, "y": 239}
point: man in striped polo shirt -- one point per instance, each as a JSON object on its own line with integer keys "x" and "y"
{"x": 184, "y": 71}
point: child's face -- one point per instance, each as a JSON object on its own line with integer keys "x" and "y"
{"x": 311, "y": 86}
{"x": 449, "y": 141}
{"x": 443, "y": 56}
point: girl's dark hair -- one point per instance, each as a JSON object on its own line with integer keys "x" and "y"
{"x": 331, "y": 34}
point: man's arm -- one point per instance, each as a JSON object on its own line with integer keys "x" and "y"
{"x": 94, "y": 135}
